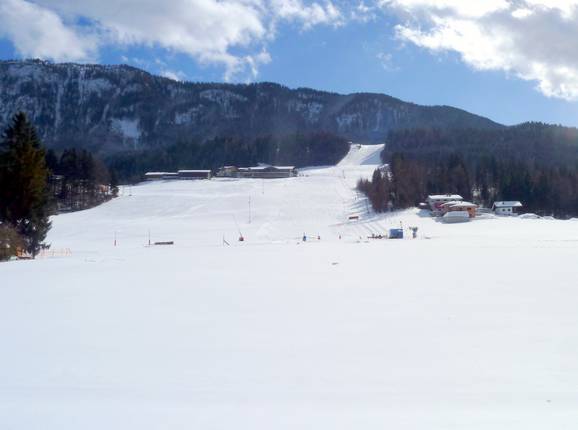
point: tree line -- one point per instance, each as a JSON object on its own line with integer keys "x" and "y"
{"x": 311, "y": 149}
{"x": 35, "y": 184}
{"x": 78, "y": 180}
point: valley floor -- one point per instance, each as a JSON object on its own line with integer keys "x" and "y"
{"x": 468, "y": 326}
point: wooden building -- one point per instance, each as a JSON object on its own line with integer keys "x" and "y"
{"x": 194, "y": 174}
{"x": 436, "y": 201}
{"x": 228, "y": 172}
{"x": 260, "y": 172}
{"x": 154, "y": 176}
{"x": 268, "y": 172}
{"x": 460, "y": 206}
{"x": 181, "y": 174}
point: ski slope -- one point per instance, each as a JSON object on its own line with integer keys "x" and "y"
{"x": 362, "y": 155}
{"x": 469, "y": 326}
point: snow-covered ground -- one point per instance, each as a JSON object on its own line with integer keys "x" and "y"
{"x": 470, "y": 326}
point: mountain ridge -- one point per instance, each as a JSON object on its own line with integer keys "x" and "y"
{"x": 115, "y": 108}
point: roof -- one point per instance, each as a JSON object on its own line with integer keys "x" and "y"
{"x": 155, "y": 173}
{"x": 445, "y": 197}
{"x": 508, "y": 204}
{"x": 194, "y": 171}
{"x": 262, "y": 168}
{"x": 455, "y": 204}
{"x": 450, "y": 203}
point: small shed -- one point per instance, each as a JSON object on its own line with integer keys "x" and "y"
{"x": 396, "y": 233}
{"x": 194, "y": 174}
{"x": 455, "y": 217}
{"x": 507, "y": 208}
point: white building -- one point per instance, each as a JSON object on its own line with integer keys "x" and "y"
{"x": 506, "y": 208}
{"x": 435, "y": 202}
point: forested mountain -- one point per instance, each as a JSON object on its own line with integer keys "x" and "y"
{"x": 533, "y": 162}
{"x": 530, "y": 143}
{"x": 111, "y": 109}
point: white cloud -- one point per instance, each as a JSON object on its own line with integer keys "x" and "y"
{"x": 309, "y": 14}
{"x": 38, "y": 32}
{"x": 363, "y": 12}
{"x": 532, "y": 39}
{"x": 175, "y": 75}
{"x": 386, "y": 61}
{"x": 247, "y": 66}
{"x": 232, "y": 33}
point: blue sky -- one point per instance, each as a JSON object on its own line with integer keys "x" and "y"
{"x": 503, "y": 59}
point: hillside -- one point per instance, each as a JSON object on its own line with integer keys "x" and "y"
{"x": 472, "y": 325}
{"x": 109, "y": 109}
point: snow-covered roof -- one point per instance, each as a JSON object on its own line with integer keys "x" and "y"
{"x": 508, "y": 204}
{"x": 194, "y": 171}
{"x": 456, "y": 204}
{"x": 445, "y": 197}
{"x": 155, "y": 173}
{"x": 261, "y": 168}
{"x": 450, "y": 203}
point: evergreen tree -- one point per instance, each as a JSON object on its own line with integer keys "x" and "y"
{"x": 113, "y": 183}
{"x": 23, "y": 183}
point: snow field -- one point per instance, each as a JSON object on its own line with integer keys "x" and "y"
{"x": 473, "y": 328}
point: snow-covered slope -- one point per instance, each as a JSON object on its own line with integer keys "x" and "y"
{"x": 363, "y": 155}
{"x": 470, "y": 326}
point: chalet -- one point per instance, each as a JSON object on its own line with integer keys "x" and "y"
{"x": 507, "y": 208}
{"x": 194, "y": 174}
{"x": 460, "y": 206}
{"x": 436, "y": 201}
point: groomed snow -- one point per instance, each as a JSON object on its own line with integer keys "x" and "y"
{"x": 470, "y": 326}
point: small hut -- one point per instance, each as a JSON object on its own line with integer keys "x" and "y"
{"x": 507, "y": 208}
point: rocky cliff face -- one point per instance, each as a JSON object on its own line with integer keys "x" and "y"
{"x": 113, "y": 108}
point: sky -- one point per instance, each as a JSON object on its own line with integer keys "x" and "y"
{"x": 509, "y": 60}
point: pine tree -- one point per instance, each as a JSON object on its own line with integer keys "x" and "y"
{"x": 23, "y": 183}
